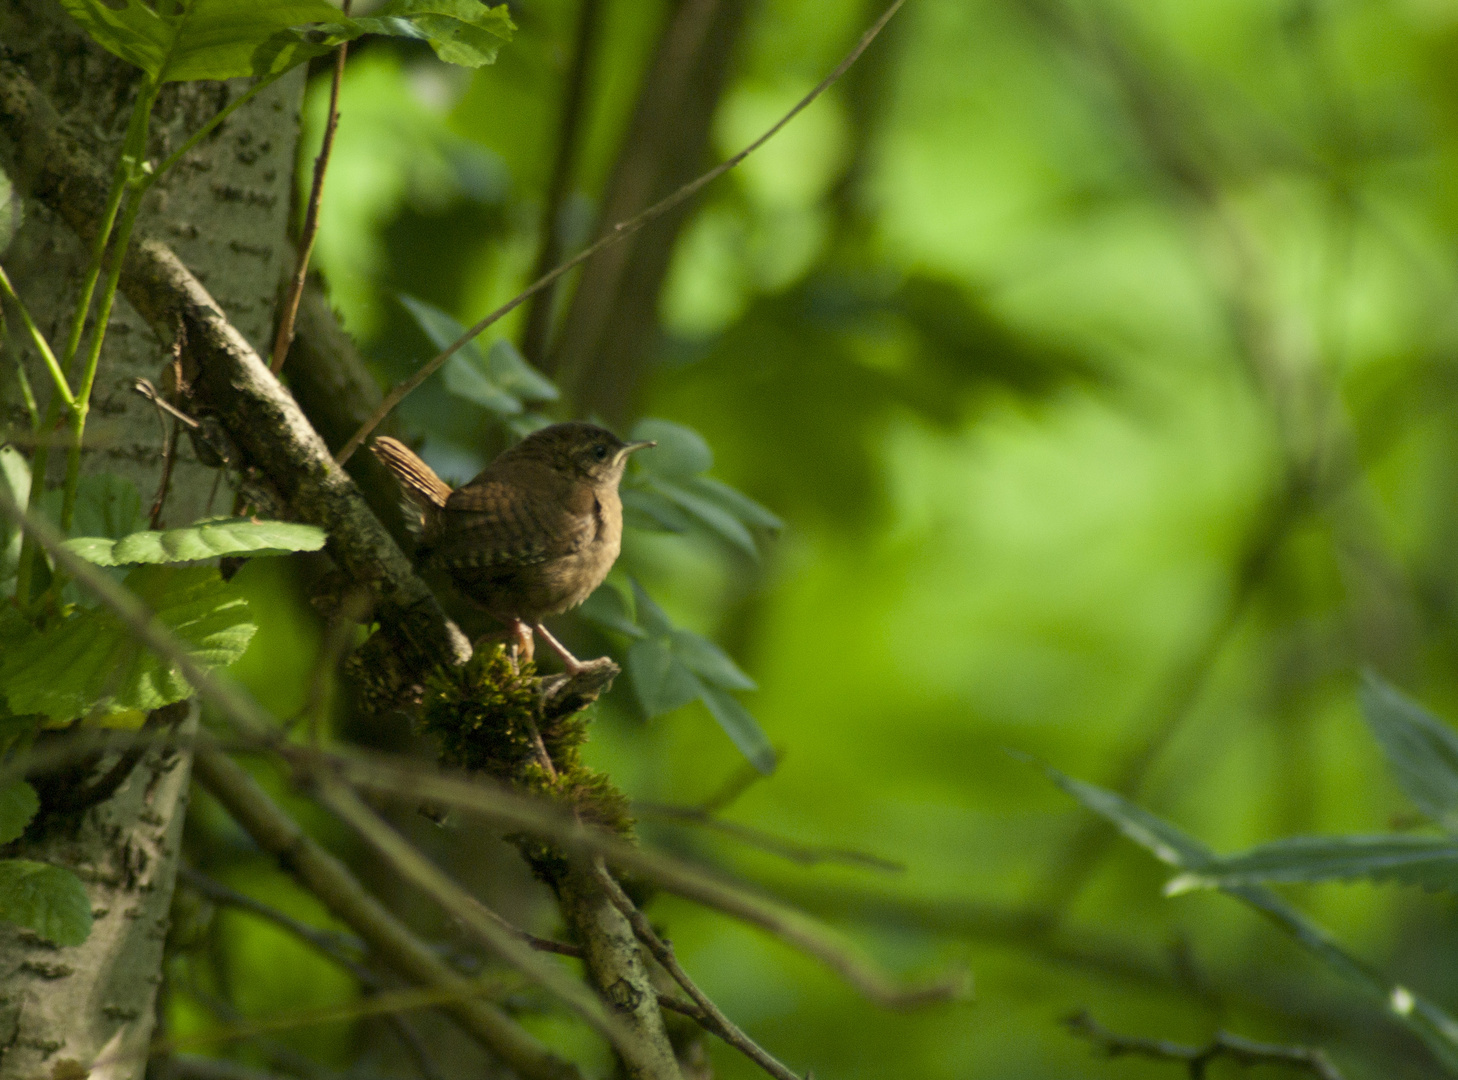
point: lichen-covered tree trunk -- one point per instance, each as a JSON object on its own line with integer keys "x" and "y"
{"x": 224, "y": 211}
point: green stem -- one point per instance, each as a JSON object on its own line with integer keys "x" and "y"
{"x": 41, "y": 343}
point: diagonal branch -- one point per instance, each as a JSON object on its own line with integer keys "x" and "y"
{"x": 1242, "y": 1051}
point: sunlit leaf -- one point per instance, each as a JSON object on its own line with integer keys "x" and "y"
{"x": 18, "y": 804}
{"x": 206, "y": 39}
{"x": 660, "y": 679}
{"x": 1421, "y": 750}
{"x": 511, "y": 371}
{"x": 15, "y": 479}
{"x": 1431, "y": 862}
{"x": 741, "y": 727}
{"x": 91, "y": 661}
{"x": 205, "y": 540}
{"x": 464, "y": 32}
{"x": 48, "y": 900}
{"x": 681, "y": 452}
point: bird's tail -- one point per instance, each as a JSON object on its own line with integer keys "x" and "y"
{"x": 421, "y": 484}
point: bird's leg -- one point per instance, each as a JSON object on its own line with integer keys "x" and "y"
{"x": 523, "y": 646}
{"x": 573, "y": 665}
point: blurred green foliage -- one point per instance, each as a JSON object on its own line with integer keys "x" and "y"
{"x": 1029, "y": 330}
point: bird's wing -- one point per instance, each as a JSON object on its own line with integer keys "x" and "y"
{"x": 532, "y": 515}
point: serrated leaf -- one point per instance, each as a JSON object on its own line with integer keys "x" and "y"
{"x": 708, "y": 661}
{"x": 510, "y": 370}
{"x": 735, "y": 501}
{"x": 648, "y": 510}
{"x": 712, "y": 516}
{"x": 660, "y": 679}
{"x": 464, "y": 32}
{"x": 681, "y": 451}
{"x": 607, "y": 608}
{"x": 210, "y": 39}
{"x": 18, "y": 804}
{"x": 741, "y": 727}
{"x": 91, "y": 662}
{"x": 205, "y": 540}
{"x": 468, "y": 372}
{"x": 49, "y": 900}
{"x": 1431, "y": 862}
{"x": 1421, "y": 750}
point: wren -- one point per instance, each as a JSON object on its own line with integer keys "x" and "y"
{"x": 533, "y": 534}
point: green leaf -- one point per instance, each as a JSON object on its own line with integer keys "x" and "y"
{"x": 735, "y": 501}
{"x": 708, "y": 661}
{"x": 18, "y": 804}
{"x": 91, "y": 661}
{"x": 607, "y": 608}
{"x": 464, "y": 32}
{"x": 510, "y": 370}
{"x": 714, "y": 517}
{"x": 15, "y": 478}
{"x": 741, "y": 727}
{"x": 467, "y": 372}
{"x": 106, "y": 505}
{"x": 47, "y": 899}
{"x": 1167, "y": 843}
{"x": 205, "y": 540}
{"x": 648, "y": 510}
{"x": 660, "y": 679}
{"x": 1421, "y": 750}
{"x": 210, "y": 39}
{"x": 651, "y": 617}
{"x": 680, "y": 454}
{"x": 1431, "y": 862}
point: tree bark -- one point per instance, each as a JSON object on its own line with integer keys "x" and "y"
{"x": 224, "y": 209}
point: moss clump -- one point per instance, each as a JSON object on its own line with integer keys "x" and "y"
{"x": 487, "y": 715}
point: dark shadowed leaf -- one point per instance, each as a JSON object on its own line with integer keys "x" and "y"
{"x": 91, "y": 661}
{"x": 741, "y": 727}
{"x": 735, "y": 501}
{"x": 18, "y": 804}
{"x": 660, "y": 679}
{"x": 711, "y": 515}
{"x": 708, "y": 661}
{"x": 651, "y": 617}
{"x": 205, "y": 540}
{"x": 509, "y": 370}
{"x": 607, "y": 608}
{"x": 468, "y": 372}
{"x": 681, "y": 452}
{"x": 1421, "y": 750}
{"x": 46, "y": 899}
{"x": 646, "y": 509}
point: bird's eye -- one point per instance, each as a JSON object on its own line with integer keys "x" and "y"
{"x": 600, "y": 452}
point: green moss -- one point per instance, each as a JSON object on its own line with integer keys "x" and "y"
{"x": 487, "y": 715}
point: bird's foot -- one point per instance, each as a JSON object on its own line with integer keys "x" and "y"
{"x": 573, "y": 666}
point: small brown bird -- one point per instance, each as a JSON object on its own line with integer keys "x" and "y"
{"x": 534, "y": 534}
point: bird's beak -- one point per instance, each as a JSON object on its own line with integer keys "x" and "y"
{"x": 625, "y": 451}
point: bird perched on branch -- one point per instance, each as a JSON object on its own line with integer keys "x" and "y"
{"x": 534, "y": 534}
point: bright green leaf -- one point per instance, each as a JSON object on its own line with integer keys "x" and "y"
{"x": 741, "y": 727}
{"x": 464, "y": 32}
{"x": 660, "y": 678}
{"x": 15, "y": 479}
{"x": 205, "y": 540}
{"x": 1421, "y": 750}
{"x": 91, "y": 661}
{"x": 18, "y": 804}
{"x": 681, "y": 452}
{"x": 708, "y": 661}
{"x": 46, "y": 899}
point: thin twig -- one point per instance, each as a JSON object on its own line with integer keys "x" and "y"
{"x": 1197, "y": 1059}
{"x": 616, "y": 234}
{"x": 537, "y": 335}
{"x": 310, "y": 231}
{"x": 803, "y": 854}
{"x": 712, "y": 1017}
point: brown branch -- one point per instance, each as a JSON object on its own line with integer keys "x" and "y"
{"x": 538, "y": 332}
{"x": 710, "y": 1015}
{"x": 802, "y": 854}
{"x": 617, "y": 234}
{"x": 230, "y": 379}
{"x": 310, "y": 231}
{"x": 328, "y": 879}
{"x": 1242, "y": 1051}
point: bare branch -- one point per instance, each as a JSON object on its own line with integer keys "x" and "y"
{"x": 803, "y": 854}
{"x": 1197, "y": 1059}
{"x": 617, "y": 234}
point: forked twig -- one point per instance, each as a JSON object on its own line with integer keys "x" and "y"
{"x": 619, "y": 232}
{"x": 1197, "y": 1059}
{"x": 708, "y": 1015}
